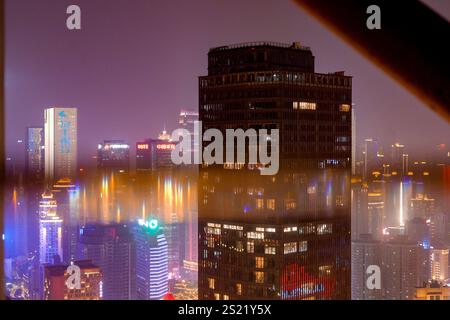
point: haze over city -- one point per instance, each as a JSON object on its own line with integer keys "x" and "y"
{"x": 129, "y": 72}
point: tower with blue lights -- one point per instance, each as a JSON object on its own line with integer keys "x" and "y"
{"x": 152, "y": 266}
{"x": 50, "y": 230}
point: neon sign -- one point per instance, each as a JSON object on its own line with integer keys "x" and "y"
{"x": 151, "y": 224}
{"x": 165, "y": 146}
{"x": 142, "y": 146}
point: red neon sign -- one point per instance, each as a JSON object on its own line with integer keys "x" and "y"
{"x": 142, "y": 146}
{"x": 165, "y": 146}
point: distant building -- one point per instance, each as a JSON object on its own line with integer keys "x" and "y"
{"x": 433, "y": 291}
{"x": 421, "y": 207}
{"x": 151, "y": 261}
{"x": 111, "y": 248}
{"x": 60, "y": 143}
{"x": 113, "y": 155}
{"x": 50, "y": 230}
{"x": 439, "y": 264}
{"x": 154, "y": 154}
{"x": 366, "y": 252}
{"x": 401, "y": 269}
{"x": 56, "y": 276}
{"x": 35, "y": 154}
{"x": 375, "y": 207}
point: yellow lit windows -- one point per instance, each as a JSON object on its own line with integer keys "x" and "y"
{"x": 290, "y": 247}
{"x": 259, "y": 276}
{"x": 255, "y": 235}
{"x": 251, "y": 246}
{"x": 303, "y": 105}
{"x": 211, "y": 283}
{"x": 259, "y": 204}
{"x": 290, "y": 204}
{"x": 259, "y": 262}
{"x": 239, "y": 289}
{"x": 270, "y": 250}
{"x": 271, "y": 204}
{"x": 344, "y": 108}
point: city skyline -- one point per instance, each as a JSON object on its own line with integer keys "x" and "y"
{"x": 68, "y": 81}
{"x": 97, "y": 207}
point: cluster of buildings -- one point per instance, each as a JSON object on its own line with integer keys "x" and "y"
{"x": 400, "y": 222}
{"x": 117, "y": 261}
{"x": 309, "y": 232}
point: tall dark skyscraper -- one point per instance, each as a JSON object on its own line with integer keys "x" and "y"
{"x": 111, "y": 248}
{"x": 285, "y": 236}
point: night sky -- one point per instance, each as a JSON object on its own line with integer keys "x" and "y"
{"x": 135, "y": 64}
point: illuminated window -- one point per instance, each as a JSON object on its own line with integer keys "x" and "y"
{"x": 238, "y": 289}
{"x": 290, "y": 204}
{"x": 302, "y": 105}
{"x": 259, "y": 276}
{"x": 271, "y": 204}
{"x": 210, "y": 241}
{"x": 303, "y": 246}
{"x": 255, "y": 235}
{"x": 259, "y": 203}
{"x": 226, "y": 297}
{"x": 325, "y": 269}
{"x": 307, "y": 229}
{"x": 270, "y": 250}
{"x": 211, "y": 283}
{"x": 259, "y": 262}
{"x": 325, "y": 228}
{"x": 290, "y": 247}
{"x": 344, "y": 108}
{"x": 250, "y": 246}
{"x": 217, "y": 296}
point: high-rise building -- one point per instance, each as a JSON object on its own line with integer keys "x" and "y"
{"x": 375, "y": 206}
{"x": 366, "y": 252}
{"x": 422, "y": 207}
{"x": 432, "y": 291}
{"x": 151, "y": 261}
{"x": 370, "y": 154}
{"x": 400, "y": 269}
{"x": 60, "y": 143}
{"x": 154, "y": 154}
{"x": 285, "y": 236}
{"x": 111, "y": 248}
{"x": 360, "y": 208}
{"x": 187, "y": 121}
{"x": 56, "y": 277}
{"x": 35, "y": 154}
{"x": 113, "y": 155}
{"x": 397, "y": 152}
{"x": 50, "y": 230}
{"x": 65, "y": 192}
{"x": 439, "y": 264}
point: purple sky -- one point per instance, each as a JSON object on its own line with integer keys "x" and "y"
{"x": 135, "y": 64}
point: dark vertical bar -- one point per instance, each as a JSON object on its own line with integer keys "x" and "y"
{"x": 411, "y": 46}
{"x": 2, "y": 144}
